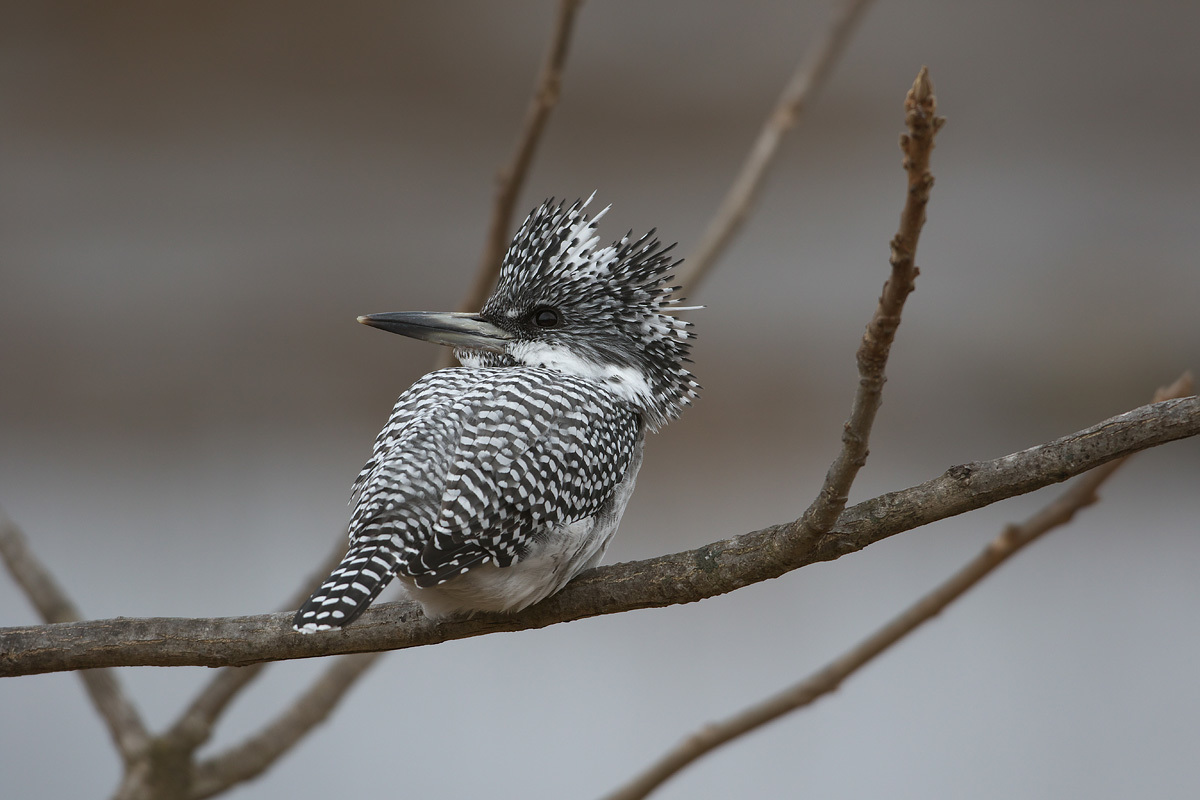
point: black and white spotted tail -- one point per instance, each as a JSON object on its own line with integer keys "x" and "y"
{"x": 348, "y": 591}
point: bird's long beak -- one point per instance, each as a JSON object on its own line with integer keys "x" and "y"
{"x": 451, "y": 328}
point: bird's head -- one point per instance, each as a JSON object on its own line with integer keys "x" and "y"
{"x": 563, "y": 303}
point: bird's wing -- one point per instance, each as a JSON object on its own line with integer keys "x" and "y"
{"x": 538, "y": 450}
{"x": 398, "y": 493}
{"x": 515, "y": 454}
{"x": 431, "y": 393}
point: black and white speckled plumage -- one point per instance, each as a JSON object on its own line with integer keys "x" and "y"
{"x": 495, "y": 483}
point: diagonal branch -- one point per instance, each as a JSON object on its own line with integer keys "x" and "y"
{"x": 684, "y": 577}
{"x": 251, "y": 757}
{"x": 809, "y": 76}
{"x": 124, "y": 724}
{"x": 1011, "y": 540}
{"x": 197, "y": 722}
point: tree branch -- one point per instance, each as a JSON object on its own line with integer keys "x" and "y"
{"x": 510, "y": 178}
{"x": 251, "y": 757}
{"x": 1011, "y": 540}
{"x": 809, "y": 76}
{"x": 920, "y": 115}
{"x": 124, "y": 724}
{"x": 920, "y": 107}
{"x": 684, "y": 577}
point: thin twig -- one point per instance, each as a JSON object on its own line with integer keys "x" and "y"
{"x": 684, "y": 577}
{"x": 251, "y": 757}
{"x": 124, "y": 724}
{"x": 920, "y": 116}
{"x": 810, "y": 75}
{"x": 1010, "y": 541}
{"x": 511, "y": 178}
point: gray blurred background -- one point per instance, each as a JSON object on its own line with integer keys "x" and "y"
{"x": 197, "y": 199}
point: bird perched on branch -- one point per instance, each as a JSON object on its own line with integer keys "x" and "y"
{"x": 495, "y": 483}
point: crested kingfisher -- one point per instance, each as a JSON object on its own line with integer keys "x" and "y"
{"x": 495, "y": 483}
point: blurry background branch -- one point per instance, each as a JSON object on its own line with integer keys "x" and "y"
{"x": 811, "y": 74}
{"x": 260, "y": 750}
{"x": 252, "y": 756}
{"x": 511, "y": 178}
{"x": 104, "y": 689}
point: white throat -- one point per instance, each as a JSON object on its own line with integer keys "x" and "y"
{"x": 625, "y": 382}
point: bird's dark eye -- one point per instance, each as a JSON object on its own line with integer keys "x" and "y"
{"x": 545, "y": 317}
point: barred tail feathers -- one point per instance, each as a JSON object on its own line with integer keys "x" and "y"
{"x": 367, "y": 568}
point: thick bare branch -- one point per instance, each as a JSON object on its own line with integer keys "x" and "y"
{"x": 124, "y": 724}
{"x": 920, "y": 116}
{"x": 684, "y": 577}
{"x": 1010, "y": 541}
{"x": 809, "y": 76}
{"x": 252, "y": 757}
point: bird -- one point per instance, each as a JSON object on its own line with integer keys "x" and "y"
{"x": 494, "y": 483}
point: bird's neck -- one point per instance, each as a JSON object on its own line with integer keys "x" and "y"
{"x": 625, "y": 381}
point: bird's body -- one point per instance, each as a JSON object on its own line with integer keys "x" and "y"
{"x": 495, "y": 483}
{"x": 478, "y": 466}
